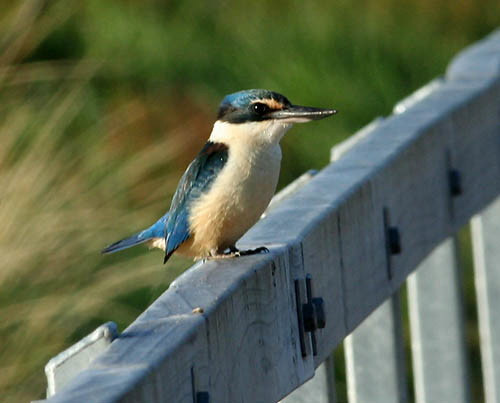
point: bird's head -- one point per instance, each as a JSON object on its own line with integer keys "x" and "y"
{"x": 259, "y": 105}
{"x": 264, "y": 114}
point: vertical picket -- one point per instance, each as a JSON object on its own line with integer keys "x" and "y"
{"x": 437, "y": 328}
{"x": 486, "y": 246}
{"x": 375, "y": 360}
{"x": 319, "y": 389}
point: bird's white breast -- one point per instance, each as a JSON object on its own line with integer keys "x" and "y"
{"x": 243, "y": 188}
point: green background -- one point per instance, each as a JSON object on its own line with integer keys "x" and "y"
{"x": 104, "y": 103}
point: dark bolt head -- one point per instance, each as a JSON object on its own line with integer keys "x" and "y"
{"x": 320, "y": 312}
{"x": 309, "y": 315}
{"x": 455, "y": 179}
{"x": 202, "y": 397}
{"x": 394, "y": 240}
{"x": 314, "y": 315}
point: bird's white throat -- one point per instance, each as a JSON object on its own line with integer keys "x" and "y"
{"x": 249, "y": 134}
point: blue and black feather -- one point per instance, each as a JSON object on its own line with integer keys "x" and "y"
{"x": 157, "y": 230}
{"x": 240, "y": 108}
{"x": 197, "y": 180}
{"x": 174, "y": 225}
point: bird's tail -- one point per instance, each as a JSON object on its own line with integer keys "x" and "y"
{"x": 157, "y": 230}
{"x": 133, "y": 240}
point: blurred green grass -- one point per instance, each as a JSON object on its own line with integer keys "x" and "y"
{"x": 103, "y": 104}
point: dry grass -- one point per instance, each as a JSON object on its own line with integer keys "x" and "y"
{"x": 89, "y": 151}
{"x": 59, "y": 207}
{"x": 57, "y": 210}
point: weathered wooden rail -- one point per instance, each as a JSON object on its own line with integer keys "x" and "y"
{"x": 250, "y": 329}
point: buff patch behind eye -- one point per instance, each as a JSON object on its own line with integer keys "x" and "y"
{"x": 272, "y": 103}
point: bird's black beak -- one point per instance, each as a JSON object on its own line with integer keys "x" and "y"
{"x": 299, "y": 114}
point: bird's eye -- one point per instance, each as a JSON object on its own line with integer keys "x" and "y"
{"x": 260, "y": 108}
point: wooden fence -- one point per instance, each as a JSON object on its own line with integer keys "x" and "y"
{"x": 342, "y": 243}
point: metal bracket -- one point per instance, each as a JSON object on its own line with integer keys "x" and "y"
{"x": 455, "y": 182}
{"x": 198, "y": 397}
{"x": 310, "y": 315}
{"x": 202, "y": 397}
{"x": 392, "y": 241}
{"x": 455, "y": 186}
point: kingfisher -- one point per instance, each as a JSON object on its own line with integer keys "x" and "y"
{"x": 229, "y": 184}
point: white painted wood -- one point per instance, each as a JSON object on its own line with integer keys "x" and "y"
{"x": 480, "y": 60}
{"x": 307, "y": 224}
{"x": 486, "y": 247}
{"x": 251, "y": 331}
{"x": 375, "y": 360}
{"x": 406, "y": 103}
{"x": 289, "y": 190}
{"x": 319, "y": 389}
{"x": 61, "y": 369}
{"x": 338, "y": 150}
{"x": 437, "y": 328}
{"x": 245, "y": 345}
{"x": 223, "y": 324}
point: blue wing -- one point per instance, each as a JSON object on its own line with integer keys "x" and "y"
{"x": 196, "y": 180}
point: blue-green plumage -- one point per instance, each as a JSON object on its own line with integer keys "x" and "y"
{"x": 195, "y": 181}
{"x": 157, "y": 230}
{"x": 239, "y": 107}
{"x": 243, "y": 153}
{"x": 174, "y": 225}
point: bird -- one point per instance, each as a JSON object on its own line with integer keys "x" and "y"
{"x": 231, "y": 181}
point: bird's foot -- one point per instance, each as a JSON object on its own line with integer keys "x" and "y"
{"x": 227, "y": 254}
{"x": 236, "y": 252}
{"x": 221, "y": 256}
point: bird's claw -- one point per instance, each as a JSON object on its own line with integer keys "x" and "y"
{"x": 248, "y": 252}
{"x": 235, "y": 252}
